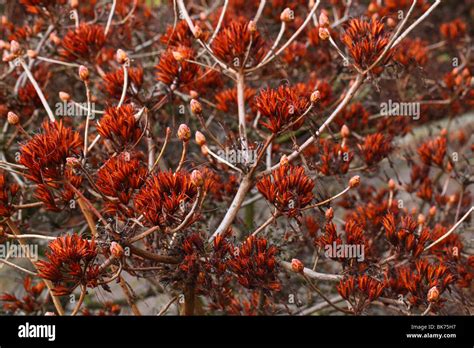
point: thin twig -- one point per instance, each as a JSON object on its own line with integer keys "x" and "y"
{"x": 451, "y": 230}
{"x": 111, "y": 15}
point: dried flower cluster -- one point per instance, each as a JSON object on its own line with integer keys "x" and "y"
{"x": 237, "y": 157}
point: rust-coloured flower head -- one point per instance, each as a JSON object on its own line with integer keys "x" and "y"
{"x": 70, "y": 262}
{"x": 289, "y": 191}
{"x": 365, "y": 41}
{"x": 171, "y": 71}
{"x": 120, "y": 177}
{"x": 423, "y": 281}
{"x": 232, "y": 43}
{"x": 83, "y": 42}
{"x": 8, "y": 191}
{"x": 360, "y": 291}
{"x": 334, "y": 158}
{"x": 120, "y": 126}
{"x": 226, "y": 100}
{"x": 113, "y": 82}
{"x": 454, "y": 30}
{"x": 412, "y": 51}
{"x": 177, "y": 35}
{"x": 403, "y": 235}
{"x": 281, "y": 107}
{"x": 297, "y": 266}
{"x": 46, "y": 153}
{"x": 31, "y": 304}
{"x": 254, "y": 264}
{"x": 375, "y": 148}
{"x": 166, "y": 198}
{"x": 433, "y": 151}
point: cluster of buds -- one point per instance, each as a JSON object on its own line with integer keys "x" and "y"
{"x": 15, "y": 51}
{"x": 324, "y": 33}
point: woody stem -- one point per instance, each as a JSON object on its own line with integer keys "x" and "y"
{"x": 79, "y": 303}
{"x": 241, "y": 111}
{"x": 38, "y": 90}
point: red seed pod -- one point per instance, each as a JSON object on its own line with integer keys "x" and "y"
{"x": 198, "y": 32}
{"x": 73, "y": 162}
{"x": 196, "y": 178}
{"x": 83, "y": 73}
{"x": 252, "y": 26}
{"x": 196, "y": 107}
{"x": 184, "y": 133}
{"x": 297, "y": 266}
{"x": 392, "y": 185}
{"x": 433, "y": 294}
{"x": 324, "y": 33}
{"x": 284, "y": 160}
{"x": 329, "y": 214}
{"x": 116, "y": 250}
{"x": 391, "y": 23}
{"x": 315, "y": 97}
{"x": 65, "y": 97}
{"x": 55, "y": 39}
{"x": 13, "y": 118}
{"x": 421, "y": 219}
{"x": 178, "y": 56}
{"x": 121, "y": 56}
{"x": 323, "y": 19}
{"x": 14, "y": 47}
{"x": 200, "y": 138}
{"x": 287, "y": 15}
{"x": 354, "y": 181}
{"x": 345, "y": 132}
{"x": 32, "y": 54}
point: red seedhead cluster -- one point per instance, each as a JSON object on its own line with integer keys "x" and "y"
{"x": 242, "y": 158}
